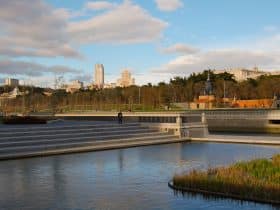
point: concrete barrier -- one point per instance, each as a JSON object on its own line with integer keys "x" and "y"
{"x": 243, "y": 120}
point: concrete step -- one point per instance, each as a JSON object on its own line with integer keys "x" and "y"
{"x": 80, "y": 138}
{"x": 89, "y": 142}
{"x": 72, "y": 130}
{"x": 28, "y": 128}
{"x": 56, "y": 135}
{"x": 68, "y": 137}
{"x": 93, "y": 147}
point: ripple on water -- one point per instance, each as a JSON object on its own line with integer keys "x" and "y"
{"x": 134, "y": 178}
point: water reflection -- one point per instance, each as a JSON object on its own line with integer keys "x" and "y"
{"x": 134, "y": 178}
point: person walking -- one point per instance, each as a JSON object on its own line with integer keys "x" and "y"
{"x": 120, "y": 117}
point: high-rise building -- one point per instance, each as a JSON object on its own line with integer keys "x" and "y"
{"x": 126, "y": 80}
{"x": 99, "y": 75}
{"x": 11, "y": 82}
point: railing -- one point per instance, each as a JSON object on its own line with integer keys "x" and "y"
{"x": 244, "y": 114}
{"x": 170, "y": 118}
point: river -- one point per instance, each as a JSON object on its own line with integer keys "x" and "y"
{"x": 134, "y": 178}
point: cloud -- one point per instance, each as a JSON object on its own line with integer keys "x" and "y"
{"x": 82, "y": 77}
{"x": 262, "y": 52}
{"x": 126, "y": 23}
{"x": 220, "y": 59}
{"x": 169, "y": 5}
{"x": 22, "y": 49}
{"x": 270, "y": 28}
{"x": 154, "y": 78}
{"x": 180, "y": 48}
{"x": 34, "y": 29}
{"x": 23, "y": 68}
{"x": 39, "y": 30}
{"x": 99, "y": 5}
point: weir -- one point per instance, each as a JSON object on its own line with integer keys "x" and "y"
{"x": 92, "y": 132}
{"x": 181, "y": 124}
{"x": 246, "y": 120}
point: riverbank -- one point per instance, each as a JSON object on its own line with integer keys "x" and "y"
{"x": 256, "y": 180}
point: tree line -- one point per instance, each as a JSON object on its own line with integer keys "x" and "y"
{"x": 146, "y": 97}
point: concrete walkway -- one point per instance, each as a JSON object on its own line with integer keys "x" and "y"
{"x": 243, "y": 139}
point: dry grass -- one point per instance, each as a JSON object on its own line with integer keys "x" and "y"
{"x": 257, "y": 179}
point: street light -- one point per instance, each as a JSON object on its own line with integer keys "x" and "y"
{"x": 139, "y": 95}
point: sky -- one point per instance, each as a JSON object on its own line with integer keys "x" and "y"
{"x": 41, "y": 40}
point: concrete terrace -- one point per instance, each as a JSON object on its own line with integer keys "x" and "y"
{"x": 61, "y": 137}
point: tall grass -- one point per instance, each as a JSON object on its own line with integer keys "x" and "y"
{"x": 256, "y": 180}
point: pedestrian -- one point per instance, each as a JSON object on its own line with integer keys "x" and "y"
{"x": 120, "y": 117}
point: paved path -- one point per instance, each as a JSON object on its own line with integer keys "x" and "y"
{"x": 244, "y": 139}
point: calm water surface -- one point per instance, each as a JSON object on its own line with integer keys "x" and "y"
{"x": 134, "y": 178}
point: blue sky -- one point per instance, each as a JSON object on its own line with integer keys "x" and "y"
{"x": 156, "y": 39}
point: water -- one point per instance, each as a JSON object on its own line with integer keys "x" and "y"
{"x": 134, "y": 178}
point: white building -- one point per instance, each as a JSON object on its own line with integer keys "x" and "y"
{"x": 74, "y": 86}
{"x": 242, "y": 74}
{"x": 11, "y": 82}
{"x": 13, "y": 94}
{"x": 110, "y": 85}
{"x": 126, "y": 80}
{"x": 99, "y": 75}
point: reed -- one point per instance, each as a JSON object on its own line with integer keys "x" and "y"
{"x": 254, "y": 180}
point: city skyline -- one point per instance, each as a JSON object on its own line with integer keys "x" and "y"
{"x": 162, "y": 38}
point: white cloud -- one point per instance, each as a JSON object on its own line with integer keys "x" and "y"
{"x": 126, "y": 23}
{"x": 262, "y": 52}
{"x": 169, "y": 5}
{"x": 33, "y": 29}
{"x": 24, "y": 68}
{"x": 179, "y": 48}
{"x": 221, "y": 59}
{"x": 154, "y": 78}
{"x": 99, "y": 5}
{"x": 39, "y": 30}
{"x": 87, "y": 78}
{"x": 270, "y": 28}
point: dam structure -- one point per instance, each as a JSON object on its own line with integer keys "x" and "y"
{"x": 91, "y": 133}
{"x": 242, "y": 120}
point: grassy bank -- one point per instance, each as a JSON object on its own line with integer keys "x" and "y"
{"x": 257, "y": 180}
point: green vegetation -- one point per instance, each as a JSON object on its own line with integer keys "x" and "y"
{"x": 257, "y": 180}
{"x": 145, "y": 98}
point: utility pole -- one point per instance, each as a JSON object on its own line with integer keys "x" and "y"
{"x": 139, "y": 95}
{"x": 224, "y": 92}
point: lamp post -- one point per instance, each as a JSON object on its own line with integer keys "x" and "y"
{"x": 139, "y": 95}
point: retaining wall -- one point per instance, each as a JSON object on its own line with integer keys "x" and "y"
{"x": 243, "y": 120}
